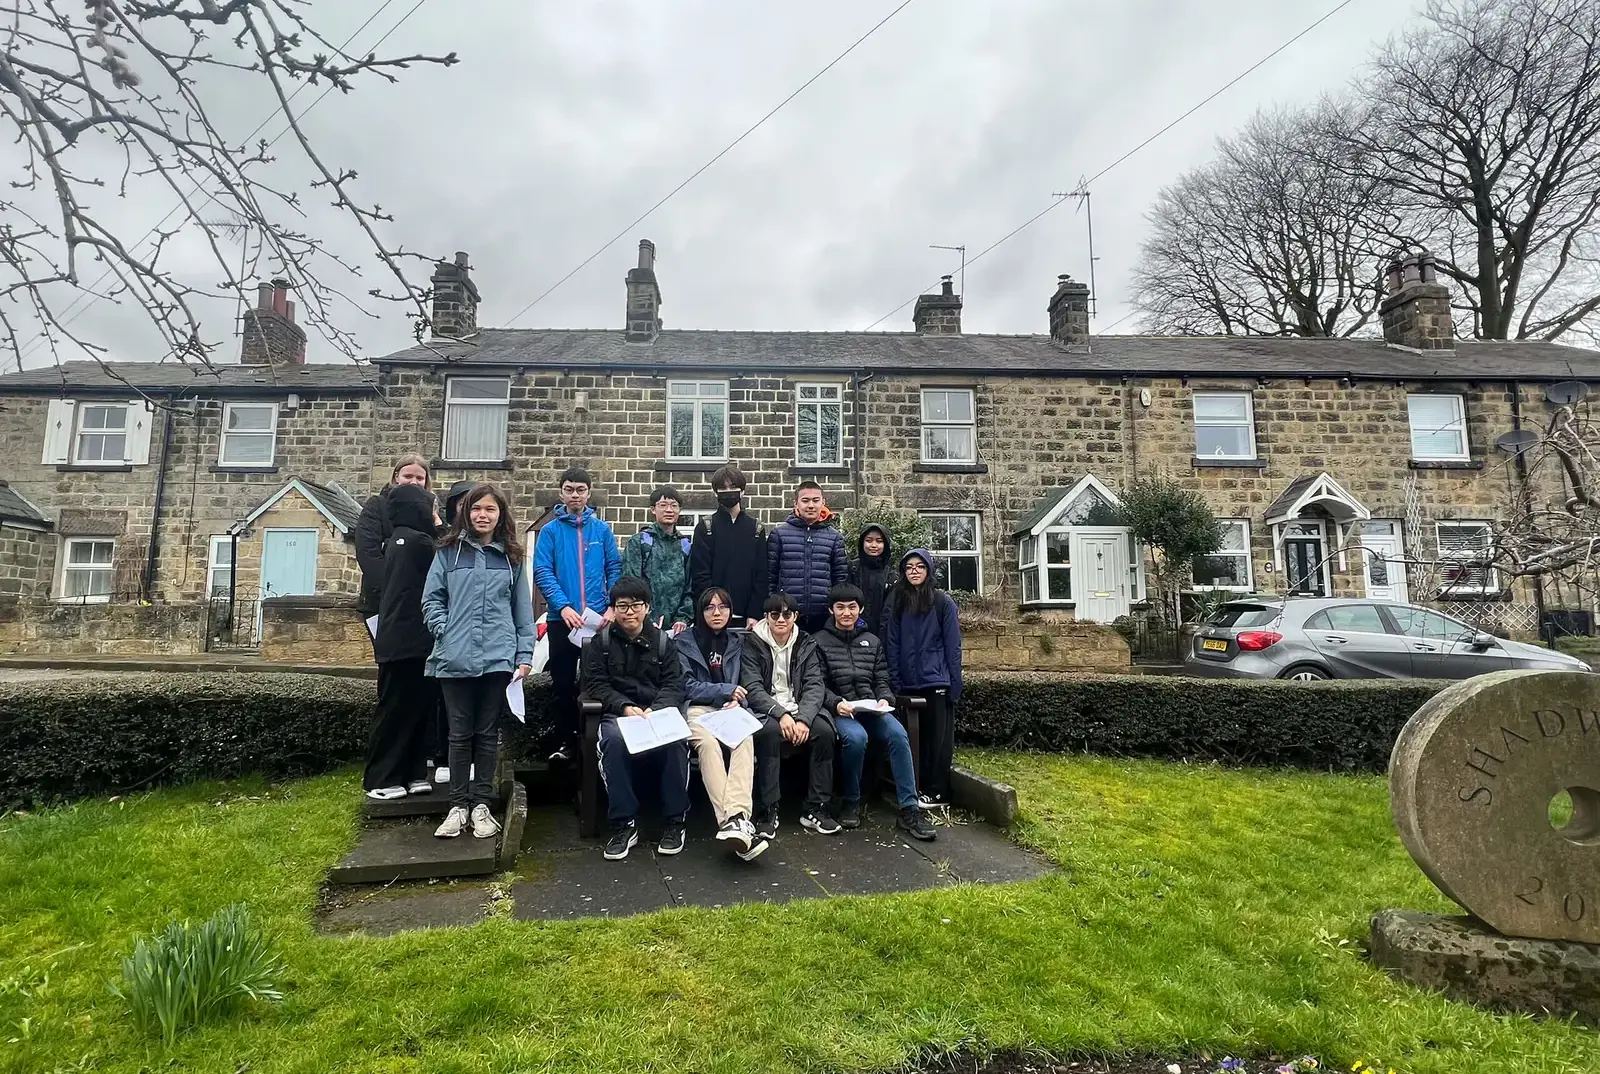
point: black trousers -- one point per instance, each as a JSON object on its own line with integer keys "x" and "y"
{"x": 563, "y": 668}
{"x": 474, "y": 707}
{"x": 938, "y": 734}
{"x": 771, "y": 749}
{"x": 407, "y": 706}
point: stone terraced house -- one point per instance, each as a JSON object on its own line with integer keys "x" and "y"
{"x": 1333, "y": 462}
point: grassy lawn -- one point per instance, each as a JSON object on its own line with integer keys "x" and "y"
{"x": 1197, "y": 909}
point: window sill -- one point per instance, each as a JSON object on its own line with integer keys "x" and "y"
{"x": 95, "y": 468}
{"x": 688, "y": 466}
{"x": 223, "y": 469}
{"x": 1048, "y": 605}
{"x": 463, "y": 464}
{"x": 819, "y": 471}
{"x": 950, "y": 468}
{"x": 1201, "y": 462}
{"x": 1446, "y": 464}
{"x": 83, "y": 600}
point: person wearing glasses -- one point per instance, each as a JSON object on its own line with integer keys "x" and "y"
{"x": 659, "y": 554}
{"x": 575, "y": 564}
{"x": 782, "y": 678}
{"x": 630, "y": 668}
{"x": 710, "y": 654}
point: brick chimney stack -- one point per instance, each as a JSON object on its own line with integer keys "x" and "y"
{"x": 455, "y": 299}
{"x": 269, "y": 335}
{"x": 940, "y": 314}
{"x": 644, "y": 297}
{"x": 1416, "y": 313}
{"x": 1069, "y": 312}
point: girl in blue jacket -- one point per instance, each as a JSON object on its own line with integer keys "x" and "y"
{"x": 923, "y": 638}
{"x": 477, "y": 607}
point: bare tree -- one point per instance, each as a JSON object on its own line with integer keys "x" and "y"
{"x": 1485, "y": 120}
{"x": 1266, "y": 239}
{"x": 114, "y": 98}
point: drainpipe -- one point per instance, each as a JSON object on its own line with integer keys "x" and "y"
{"x": 1527, "y": 498}
{"x": 857, "y": 420}
{"x": 155, "y": 515}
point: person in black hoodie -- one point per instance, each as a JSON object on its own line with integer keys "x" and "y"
{"x": 873, "y": 576}
{"x": 729, "y": 550}
{"x": 407, "y": 699}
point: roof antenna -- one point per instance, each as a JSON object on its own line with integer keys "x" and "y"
{"x": 1082, "y": 194}
{"x": 963, "y": 250}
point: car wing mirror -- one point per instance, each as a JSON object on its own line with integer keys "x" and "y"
{"x": 1483, "y": 641}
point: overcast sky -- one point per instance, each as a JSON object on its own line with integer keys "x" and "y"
{"x": 953, "y": 124}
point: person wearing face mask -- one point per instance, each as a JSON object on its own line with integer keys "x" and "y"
{"x": 730, "y": 551}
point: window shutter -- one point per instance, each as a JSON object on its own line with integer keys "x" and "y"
{"x": 141, "y": 416}
{"x": 58, "y": 432}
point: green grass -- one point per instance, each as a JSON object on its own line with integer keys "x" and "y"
{"x": 1197, "y": 910}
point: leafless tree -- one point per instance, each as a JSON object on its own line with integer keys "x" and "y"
{"x": 1266, "y": 239}
{"x": 1485, "y": 121}
{"x": 111, "y": 99}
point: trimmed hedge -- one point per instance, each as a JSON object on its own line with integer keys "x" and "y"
{"x": 111, "y": 734}
{"x": 1350, "y": 724}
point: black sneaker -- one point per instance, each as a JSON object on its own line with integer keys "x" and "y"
{"x": 767, "y": 824}
{"x": 817, "y": 820}
{"x": 737, "y": 831}
{"x": 622, "y": 840}
{"x": 931, "y": 801}
{"x": 914, "y": 824}
{"x": 850, "y": 815}
{"x": 671, "y": 840}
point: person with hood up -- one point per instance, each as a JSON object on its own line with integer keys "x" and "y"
{"x": 923, "y": 636}
{"x": 872, "y": 574}
{"x": 478, "y": 609}
{"x": 782, "y": 679}
{"x": 575, "y": 564}
{"x": 408, "y": 701}
{"x": 452, "y": 499}
{"x": 660, "y": 555}
{"x": 729, "y": 550}
{"x": 805, "y": 557}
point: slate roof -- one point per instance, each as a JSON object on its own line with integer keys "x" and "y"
{"x": 1047, "y": 505}
{"x": 1286, "y": 500}
{"x": 598, "y": 349}
{"x": 343, "y": 506}
{"x": 14, "y": 507}
{"x": 164, "y": 377}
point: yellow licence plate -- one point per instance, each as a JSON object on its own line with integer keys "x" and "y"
{"x": 1213, "y": 645}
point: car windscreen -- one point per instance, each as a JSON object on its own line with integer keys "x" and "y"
{"x": 1244, "y": 615}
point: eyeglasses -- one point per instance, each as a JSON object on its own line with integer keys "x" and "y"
{"x": 716, "y": 607}
{"x": 573, "y": 490}
{"x": 781, "y": 615}
{"x": 628, "y": 607}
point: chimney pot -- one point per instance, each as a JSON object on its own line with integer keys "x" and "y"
{"x": 948, "y": 287}
{"x": 461, "y": 259}
{"x": 647, "y": 254}
{"x": 263, "y": 296}
{"x": 269, "y": 335}
{"x": 1416, "y": 314}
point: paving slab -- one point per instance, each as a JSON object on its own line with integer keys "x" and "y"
{"x": 708, "y": 874}
{"x": 402, "y": 850}
{"x": 386, "y": 913}
{"x": 868, "y": 861}
{"x": 978, "y": 853}
{"x": 581, "y": 883}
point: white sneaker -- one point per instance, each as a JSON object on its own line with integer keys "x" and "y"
{"x": 441, "y": 774}
{"x": 484, "y": 826}
{"x": 386, "y": 794}
{"x": 419, "y": 786}
{"x": 455, "y": 822}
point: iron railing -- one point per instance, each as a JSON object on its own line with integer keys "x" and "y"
{"x": 232, "y": 626}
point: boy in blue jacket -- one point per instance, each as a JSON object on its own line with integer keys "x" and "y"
{"x": 575, "y": 563}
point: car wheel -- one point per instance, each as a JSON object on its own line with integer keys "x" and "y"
{"x": 1304, "y": 673}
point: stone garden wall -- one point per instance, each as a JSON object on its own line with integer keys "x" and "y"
{"x": 46, "y": 628}
{"x": 314, "y": 630}
{"x": 1052, "y": 646}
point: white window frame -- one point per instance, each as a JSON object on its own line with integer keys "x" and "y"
{"x": 1491, "y": 580}
{"x": 68, "y": 570}
{"x": 700, "y": 401}
{"x": 78, "y": 433}
{"x": 1242, "y": 525}
{"x": 1457, "y": 425}
{"x": 816, "y": 405}
{"x": 451, "y": 452}
{"x": 271, "y": 432}
{"x": 1249, "y": 423}
{"x": 928, "y": 425}
{"x": 976, "y": 553}
{"x": 213, "y": 567}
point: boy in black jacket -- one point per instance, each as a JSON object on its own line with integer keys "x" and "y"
{"x": 630, "y": 667}
{"x": 730, "y": 550}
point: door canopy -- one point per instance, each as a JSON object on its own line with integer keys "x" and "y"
{"x": 1316, "y": 496}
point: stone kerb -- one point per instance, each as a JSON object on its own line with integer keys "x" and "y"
{"x": 1471, "y": 781}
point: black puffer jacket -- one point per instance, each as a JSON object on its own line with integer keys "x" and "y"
{"x": 372, "y": 529}
{"x": 407, "y": 555}
{"x": 854, "y": 665}
{"x": 874, "y": 577}
{"x": 804, "y": 560}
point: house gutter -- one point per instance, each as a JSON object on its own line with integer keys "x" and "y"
{"x": 148, "y": 580}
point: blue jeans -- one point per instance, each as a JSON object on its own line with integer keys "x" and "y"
{"x": 618, "y": 768}
{"x": 854, "y": 734}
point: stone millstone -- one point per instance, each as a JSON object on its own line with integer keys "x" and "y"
{"x": 1465, "y": 961}
{"x": 1470, "y": 784}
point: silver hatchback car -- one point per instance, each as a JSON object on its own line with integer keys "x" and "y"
{"x": 1336, "y": 638}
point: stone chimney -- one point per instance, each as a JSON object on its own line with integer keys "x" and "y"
{"x": 940, "y": 314}
{"x": 270, "y": 336}
{"x": 455, "y": 299}
{"x": 644, "y": 297}
{"x": 1416, "y": 312}
{"x": 1069, "y": 312}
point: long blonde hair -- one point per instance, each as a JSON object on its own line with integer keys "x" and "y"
{"x": 410, "y": 458}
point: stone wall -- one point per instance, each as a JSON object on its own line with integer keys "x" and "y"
{"x": 46, "y": 628}
{"x": 337, "y": 570}
{"x": 27, "y": 558}
{"x": 1059, "y": 646}
{"x": 314, "y": 630}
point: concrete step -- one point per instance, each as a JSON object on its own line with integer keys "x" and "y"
{"x": 403, "y": 846}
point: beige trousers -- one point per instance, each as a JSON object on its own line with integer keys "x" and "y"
{"x": 730, "y": 786}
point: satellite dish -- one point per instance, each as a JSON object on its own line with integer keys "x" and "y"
{"x": 1516, "y": 441}
{"x": 1567, "y": 392}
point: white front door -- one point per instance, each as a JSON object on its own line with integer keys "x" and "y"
{"x": 1100, "y": 574}
{"x": 1385, "y": 563}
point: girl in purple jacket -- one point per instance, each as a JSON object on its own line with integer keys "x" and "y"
{"x": 923, "y": 639}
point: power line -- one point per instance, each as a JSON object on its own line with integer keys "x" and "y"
{"x": 1123, "y": 159}
{"x": 88, "y": 296}
{"x": 697, "y": 172}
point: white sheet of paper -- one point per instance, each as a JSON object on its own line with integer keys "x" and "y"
{"x": 372, "y": 627}
{"x": 644, "y": 733}
{"x": 731, "y": 726}
{"x": 591, "y": 623}
{"x": 517, "y": 700}
{"x": 869, "y": 705}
